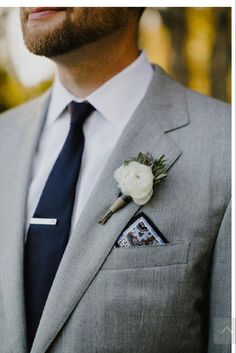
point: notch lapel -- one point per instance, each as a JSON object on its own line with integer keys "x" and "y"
{"x": 14, "y": 180}
{"x": 163, "y": 109}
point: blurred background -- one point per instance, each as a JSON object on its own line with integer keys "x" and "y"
{"x": 192, "y": 44}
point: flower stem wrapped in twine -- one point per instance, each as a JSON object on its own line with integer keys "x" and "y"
{"x": 118, "y": 204}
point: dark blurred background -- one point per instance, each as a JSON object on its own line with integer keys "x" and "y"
{"x": 192, "y": 44}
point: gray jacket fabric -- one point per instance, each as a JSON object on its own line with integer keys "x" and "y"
{"x": 154, "y": 299}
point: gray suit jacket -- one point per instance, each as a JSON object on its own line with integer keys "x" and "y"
{"x": 164, "y": 299}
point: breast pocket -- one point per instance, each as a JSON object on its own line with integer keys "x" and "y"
{"x": 147, "y": 256}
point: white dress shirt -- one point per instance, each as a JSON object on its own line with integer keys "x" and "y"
{"x": 115, "y": 102}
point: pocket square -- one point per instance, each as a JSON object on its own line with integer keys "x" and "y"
{"x": 140, "y": 231}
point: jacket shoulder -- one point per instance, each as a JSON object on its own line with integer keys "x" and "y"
{"x": 207, "y": 110}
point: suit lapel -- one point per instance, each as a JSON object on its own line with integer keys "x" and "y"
{"x": 14, "y": 182}
{"x": 162, "y": 110}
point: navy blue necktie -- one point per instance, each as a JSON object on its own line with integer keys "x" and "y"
{"x": 46, "y": 243}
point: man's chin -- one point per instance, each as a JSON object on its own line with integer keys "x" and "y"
{"x": 47, "y": 38}
{"x": 48, "y": 45}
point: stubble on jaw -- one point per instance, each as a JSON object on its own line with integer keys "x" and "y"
{"x": 81, "y": 26}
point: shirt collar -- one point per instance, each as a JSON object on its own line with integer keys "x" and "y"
{"x": 114, "y": 99}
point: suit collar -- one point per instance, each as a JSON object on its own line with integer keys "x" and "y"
{"x": 162, "y": 110}
{"x": 166, "y": 102}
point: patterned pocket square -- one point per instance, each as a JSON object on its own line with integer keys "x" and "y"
{"x": 140, "y": 231}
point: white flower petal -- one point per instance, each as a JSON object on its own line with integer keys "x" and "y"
{"x": 144, "y": 200}
{"x": 136, "y": 180}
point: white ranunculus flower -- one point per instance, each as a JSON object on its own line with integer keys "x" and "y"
{"x": 135, "y": 180}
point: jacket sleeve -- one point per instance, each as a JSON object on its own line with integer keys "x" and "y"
{"x": 220, "y": 290}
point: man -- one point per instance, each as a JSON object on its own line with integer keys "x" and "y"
{"x": 67, "y": 283}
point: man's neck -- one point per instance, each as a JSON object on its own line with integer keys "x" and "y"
{"x": 84, "y": 70}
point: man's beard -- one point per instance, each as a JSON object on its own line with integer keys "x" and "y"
{"x": 84, "y": 26}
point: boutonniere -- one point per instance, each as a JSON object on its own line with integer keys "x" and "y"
{"x": 136, "y": 178}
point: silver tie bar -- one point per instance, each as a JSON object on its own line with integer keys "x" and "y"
{"x": 44, "y": 221}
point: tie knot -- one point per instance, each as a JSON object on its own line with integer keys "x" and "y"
{"x": 79, "y": 112}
